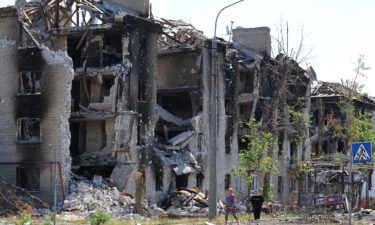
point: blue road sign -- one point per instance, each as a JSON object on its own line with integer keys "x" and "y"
{"x": 361, "y": 152}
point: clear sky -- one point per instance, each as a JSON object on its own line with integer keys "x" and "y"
{"x": 338, "y": 30}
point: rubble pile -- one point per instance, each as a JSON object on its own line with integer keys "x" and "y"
{"x": 185, "y": 203}
{"x": 87, "y": 197}
{"x": 178, "y": 32}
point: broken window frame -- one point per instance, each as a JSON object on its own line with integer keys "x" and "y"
{"x": 292, "y": 185}
{"x": 28, "y": 171}
{"x": 33, "y": 79}
{"x": 279, "y": 184}
{"x": 23, "y": 127}
{"x": 254, "y": 184}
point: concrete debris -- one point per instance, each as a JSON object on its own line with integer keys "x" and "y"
{"x": 86, "y": 197}
{"x": 169, "y": 117}
{"x": 181, "y": 138}
{"x": 185, "y": 203}
{"x": 178, "y": 32}
{"x": 182, "y": 162}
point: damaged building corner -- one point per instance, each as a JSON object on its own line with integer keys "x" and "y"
{"x": 83, "y": 95}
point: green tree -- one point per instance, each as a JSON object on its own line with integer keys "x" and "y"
{"x": 254, "y": 158}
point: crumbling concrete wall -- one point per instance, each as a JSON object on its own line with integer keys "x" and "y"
{"x": 55, "y": 124}
{"x": 257, "y": 39}
{"x": 178, "y": 70}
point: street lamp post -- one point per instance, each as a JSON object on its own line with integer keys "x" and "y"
{"x": 213, "y": 122}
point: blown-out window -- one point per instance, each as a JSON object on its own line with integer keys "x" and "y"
{"x": 28, "y": 130}
{"x": 29, "y": 83}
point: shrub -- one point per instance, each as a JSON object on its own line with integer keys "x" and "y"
{"x": 25, "y": 218}
{"x": 99, "y": 218}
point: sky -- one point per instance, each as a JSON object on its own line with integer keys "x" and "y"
{"x": 337, "y": 31}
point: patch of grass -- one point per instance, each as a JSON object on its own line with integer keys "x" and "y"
{"x": 99, "y": 218}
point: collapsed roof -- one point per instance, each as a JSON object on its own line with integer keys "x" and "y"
{"x": 332, "y": 89}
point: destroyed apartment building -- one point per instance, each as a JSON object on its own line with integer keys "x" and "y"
{"x": 100, "y": 88}
{"x": 78, "y": 91}
{"x": 330, "y": 176}
{"x": 94, "y": 89}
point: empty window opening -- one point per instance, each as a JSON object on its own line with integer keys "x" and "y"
{"x": 75, "y": 54}
{"x": 254, "y": 183}
{"x": 78, "y": 138}
{"x": 159, "y": 173}
{"x": 28, "y": 178}
{"x": 179, "y": 104}
{"x": 29, "y": 83}
{"x": 28, "y": 130}
{"x": 106, "y": 86}
{"x": 340, "y": 146}
{"x": 247, "y": 82}
{"x": 243, "y": 143}
{"x": 76, "y": 95}
{"x": 200, "y": 179}
{"x": 293, "y": 150}
{"x": 245, "y": 112}
{"x": 279, "y": 184}
{"x": 227, "y": 181}
{"x": 292, "y": 185}
{"x": 280, "y": 143}
{"x": 309, "y": 184}
{"x": 94, "y": 51}
{"x": 182, "y": 181}
{"x": 112, "y": 50}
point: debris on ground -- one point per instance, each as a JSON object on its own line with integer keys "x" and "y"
{"x": 87, "y": 197}
{"x": 15, "y": 199}
{"x": 185, "y": 203}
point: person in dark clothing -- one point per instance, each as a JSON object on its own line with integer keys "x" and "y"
{"x": 257, "y": 202}
{"x": 230, "y": 205}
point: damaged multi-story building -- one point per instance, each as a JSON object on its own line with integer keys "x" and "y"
{"x": 78, "y": 91}
{"x": 92, "y": 88}
{"x": 100, "y": 88}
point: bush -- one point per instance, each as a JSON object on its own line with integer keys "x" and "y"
{"x": 25, "y": 218}
{"x": 99, "y": 218}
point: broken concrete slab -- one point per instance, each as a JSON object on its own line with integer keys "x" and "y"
{"x": 182, "y": 162}
{"x": 169, "y": 117}
{"x": 181, "y": 138}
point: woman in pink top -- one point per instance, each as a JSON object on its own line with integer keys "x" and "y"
{"x": 230, "y": 205}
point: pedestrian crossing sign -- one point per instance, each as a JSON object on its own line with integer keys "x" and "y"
{"x": 361, "y": 152}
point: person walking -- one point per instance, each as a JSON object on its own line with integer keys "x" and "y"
{"x": 257, "y": 202}
{"x": 230, "y": 206}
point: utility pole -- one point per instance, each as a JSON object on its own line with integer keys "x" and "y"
{"x": 212, "y": 201}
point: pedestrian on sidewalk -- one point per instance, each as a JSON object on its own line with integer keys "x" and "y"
{"x": 230, "y": 206}
{"x": 257, "y": 202}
